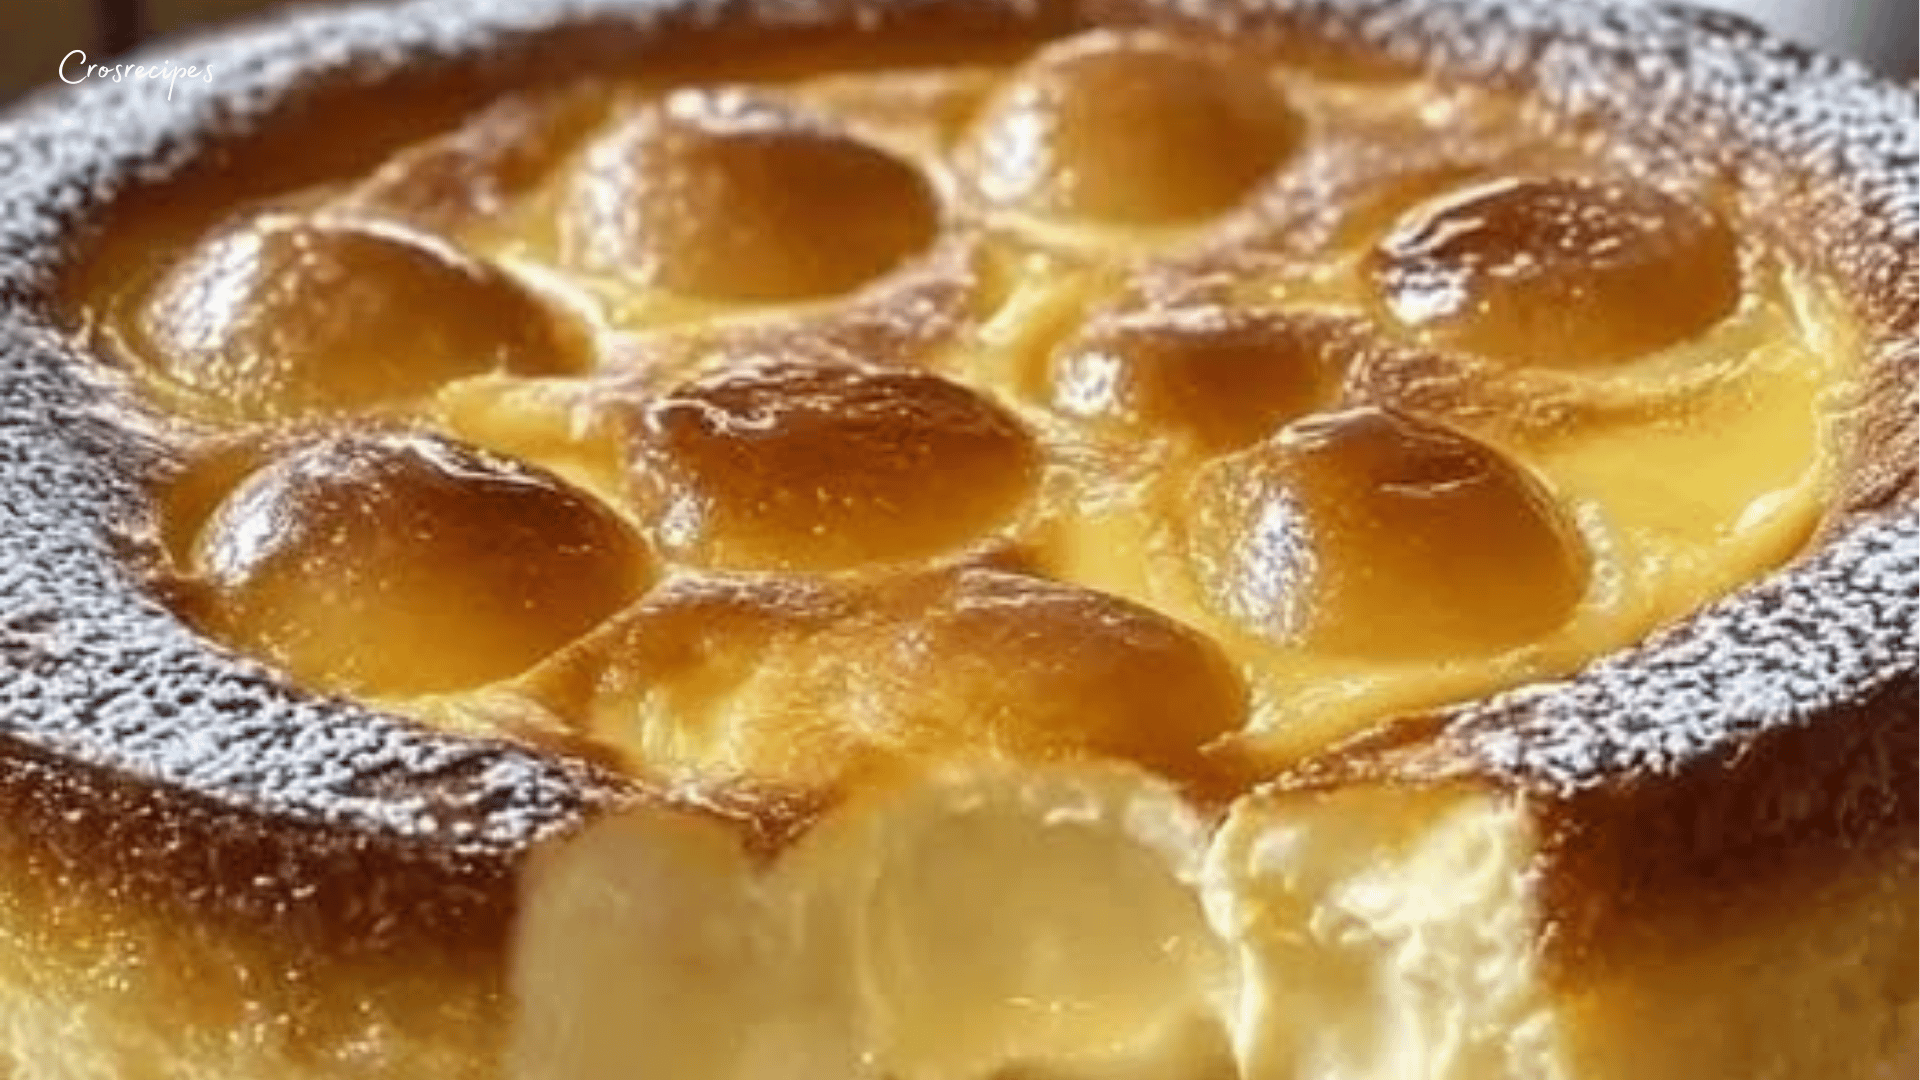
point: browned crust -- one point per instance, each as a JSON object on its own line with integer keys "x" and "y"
{"x": 328, "y": 893}
{"x": 127, "y": 896}
{"x": 113, "y": 707}
{"x": 1655, "y": 862}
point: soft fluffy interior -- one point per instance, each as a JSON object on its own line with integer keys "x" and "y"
{"x": 1083, "y": 924}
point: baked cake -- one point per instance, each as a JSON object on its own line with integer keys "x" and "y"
{"x": 961, "y": 541}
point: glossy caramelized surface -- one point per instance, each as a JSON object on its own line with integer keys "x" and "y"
{"x": 1134, "y": 397}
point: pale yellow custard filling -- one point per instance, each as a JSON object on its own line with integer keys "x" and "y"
{"x": 1165, "y": 386}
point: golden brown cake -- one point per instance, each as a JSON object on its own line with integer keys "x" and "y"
{"x": 961, "y": 541}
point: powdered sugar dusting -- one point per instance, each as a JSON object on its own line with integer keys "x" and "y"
{"x": 1787, "y": 651}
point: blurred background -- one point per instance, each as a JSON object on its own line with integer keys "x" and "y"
{"x": 35, "y": 34}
